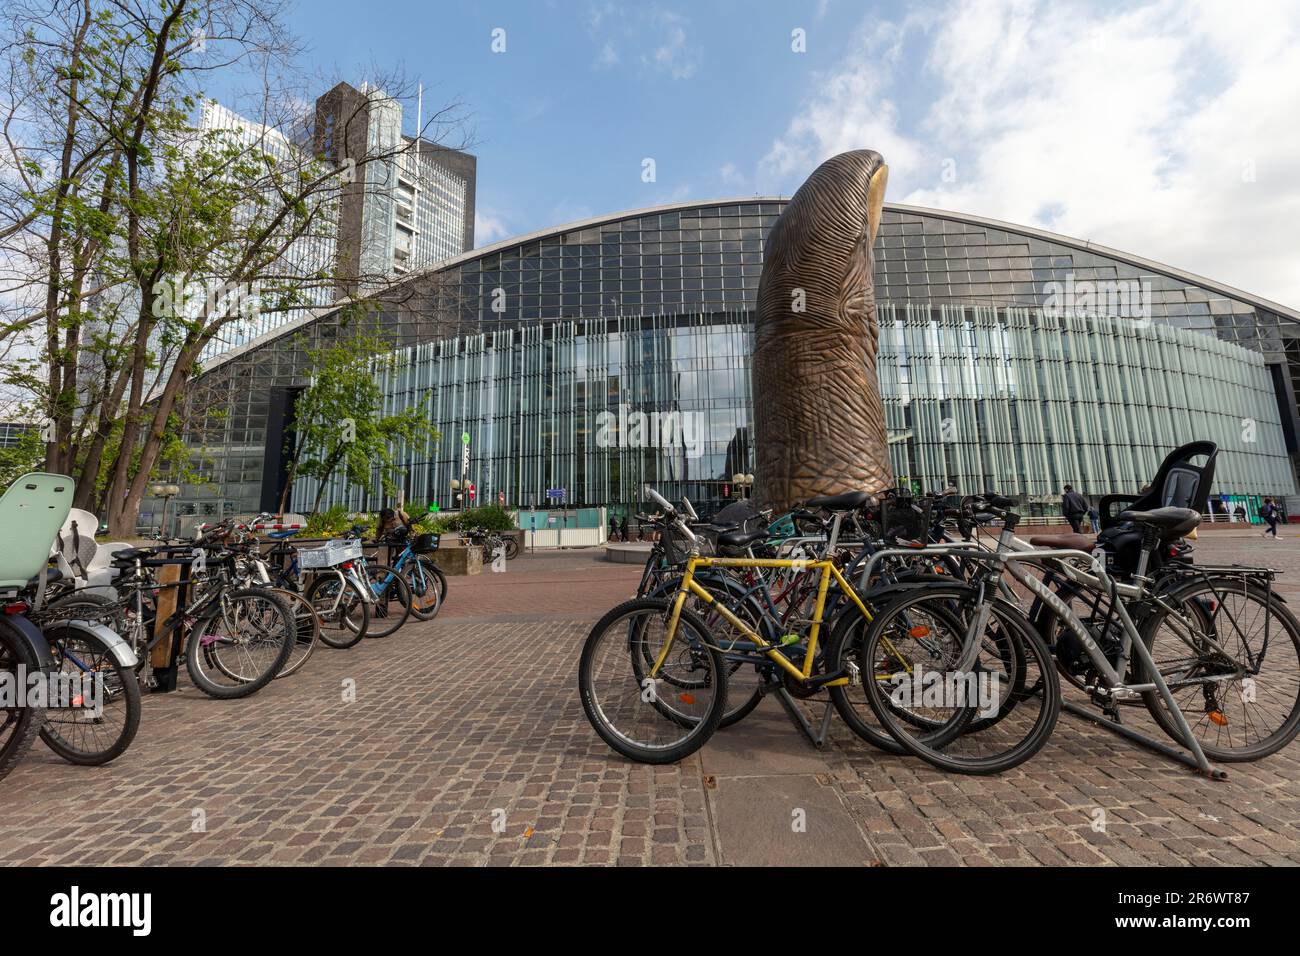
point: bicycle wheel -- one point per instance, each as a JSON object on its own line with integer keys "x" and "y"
{"x": 651, "y": 718}
{"x": 18, "y": 725}
{"x": 847, "y": 633}
{"x": 985, "y": 720}
{"x": 1242, "y": 702}
{"x": 307, "y": 631}
{"x": 239, "y": 645}
{"x": 512, "y": 547}
{"x": 82, "y": 734}
{"x": 392, "y": 604}
{"x": 745, "y": 674}
{"x": 344, "y": 617}
{"x": 426, "y": 593}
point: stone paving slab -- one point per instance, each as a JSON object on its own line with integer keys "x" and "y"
{"x": 465, "y": 744}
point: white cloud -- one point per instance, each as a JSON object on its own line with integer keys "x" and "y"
{"x": 1131, "y": 127}
{"x": 607, "y": 57}
{"x": 660, "y": 34}
{"x": 674, "y": 55}
{"x": 489, "y": 227}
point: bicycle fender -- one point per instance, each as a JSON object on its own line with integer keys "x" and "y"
{"x": 31, "y": 635}
{"x": 117, "y": 646}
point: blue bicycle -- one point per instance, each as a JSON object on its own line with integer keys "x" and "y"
{"x": 407, "y": 556}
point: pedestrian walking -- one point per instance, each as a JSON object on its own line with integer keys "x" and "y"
{"x": 613, "y": 528}
{"x": 1074, "y": 506}
{"x": 623, "y": 527}
{"x": 1268, "y": 511}
{"x": 1095, "y": 519}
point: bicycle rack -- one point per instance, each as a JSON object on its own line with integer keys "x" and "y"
{"x": 817, "y": 737}
{"x": 1142, "y": 740}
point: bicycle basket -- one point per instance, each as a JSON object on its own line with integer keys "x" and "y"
{"x": 677, "y": 547}
{"x": 905, "y": 519}
{"x": 332, "y": 553}
{"x": 425, "y": 542}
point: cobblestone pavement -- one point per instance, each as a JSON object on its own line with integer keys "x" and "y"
{"x": 466, "y": 744}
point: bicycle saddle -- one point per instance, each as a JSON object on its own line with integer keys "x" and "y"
{"x": 132, "y": 554}
{"x": 1171, "y": 522}
{"x": 51, "y": 575}
{"x": 281, "y": 535}
{"x": 844, "y": 501}
{"x": 741, "y": 539}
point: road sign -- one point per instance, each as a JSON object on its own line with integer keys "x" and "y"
{"x": 555, "y": 494}
{"x": 501, "y": 498}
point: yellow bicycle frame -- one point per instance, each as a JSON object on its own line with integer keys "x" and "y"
{"x": 828, "y": 571}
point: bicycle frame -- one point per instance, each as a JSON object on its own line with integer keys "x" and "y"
{"x": 803, "y": 673}
{"x": 1013, "y": 563}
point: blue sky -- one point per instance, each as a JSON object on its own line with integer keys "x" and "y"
{"x": 1163, "y": 127}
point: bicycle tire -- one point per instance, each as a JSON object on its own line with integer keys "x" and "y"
{"x": 19, "y": 726}
{"x": 307, "y": 632}
{"x": 739, "y": 706}
{"x": 126, "y": 686}
{"x": 344, "y": 625}
{"x": 426, "y": 592}
{"x": 200, "y": 645}
{"x": 947, "y": 747}
{"x": 392, "y": 607}
{"x": 512, "y": 547}
{"x": 699, "y": 729}
{"x": 1287, "y": 728}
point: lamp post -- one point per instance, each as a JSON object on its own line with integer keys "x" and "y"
{"x": 166, "y": 493}
{"x": 742, "y": 484}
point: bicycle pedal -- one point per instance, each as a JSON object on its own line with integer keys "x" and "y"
{"x": 855, "y": 674}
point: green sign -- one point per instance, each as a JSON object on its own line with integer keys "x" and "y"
{"x": 464, "y": 438}
{"x": 433, "y": 507}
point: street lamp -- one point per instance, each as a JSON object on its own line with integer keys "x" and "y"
{"x": 166, "y": 493}
{"x": 455, "y": 491}
{"x": 742, "y": 484}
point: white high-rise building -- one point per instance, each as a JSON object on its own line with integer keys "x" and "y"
{"x": 408, "y": 210}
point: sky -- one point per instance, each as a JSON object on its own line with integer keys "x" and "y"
{"x": 1169, "y": 129}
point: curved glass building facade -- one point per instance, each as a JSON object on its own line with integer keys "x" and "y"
{"x": 975, "y": 397}
{"x": 1010, "y": 352}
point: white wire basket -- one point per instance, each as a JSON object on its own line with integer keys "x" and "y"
{"x": 330, "y": 554}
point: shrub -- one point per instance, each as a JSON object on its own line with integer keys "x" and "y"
{"x": 485, "y": 518}
{"x": 336, "y": 520}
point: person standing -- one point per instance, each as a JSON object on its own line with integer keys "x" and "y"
{"x": 1074, "y": 507}
{"x": 1095, "y": 519}
{"x": 1268, "y": 511}
{"x": 613, "y": 528}
{"x": 622, "y": 528}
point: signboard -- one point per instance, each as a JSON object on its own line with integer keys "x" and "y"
{"x": 555, "y": 494}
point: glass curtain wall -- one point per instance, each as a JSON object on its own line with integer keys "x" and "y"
{"x": 976, "y": 397}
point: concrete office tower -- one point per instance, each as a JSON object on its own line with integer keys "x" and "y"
{"x": 403, "y": 212}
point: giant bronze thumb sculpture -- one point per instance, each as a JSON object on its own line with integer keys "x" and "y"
{"x": 819, "y": 421}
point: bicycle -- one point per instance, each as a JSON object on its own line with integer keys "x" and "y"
{"x": 1186, "y": 605}
{"x": 653, "y": 677}
{"x": 235, "y": 639}
{"x": 427, "y": 582}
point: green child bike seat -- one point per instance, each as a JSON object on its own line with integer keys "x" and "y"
{"x": 31, "y": 513}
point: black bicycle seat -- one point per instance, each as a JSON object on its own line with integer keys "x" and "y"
{"x": 1170, "y": 522}
{"x": 51, "y": 575}
{"x": 844, "y": 501}
{"x": 133, "y": 554}
{"x": 741, "y": 539}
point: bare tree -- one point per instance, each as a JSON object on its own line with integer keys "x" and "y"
{"x": 136, "y": 230}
